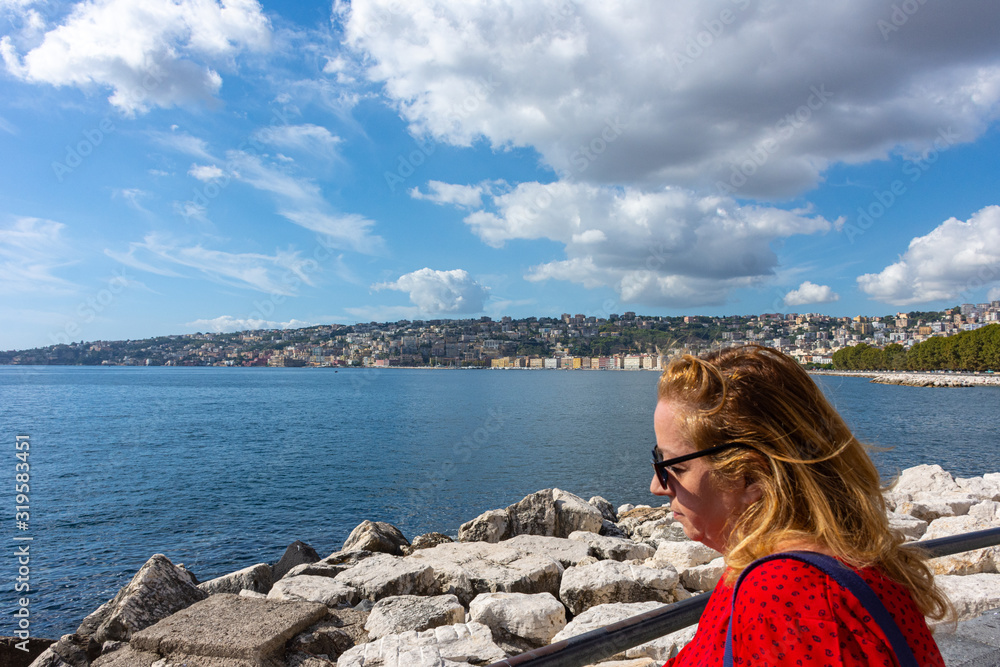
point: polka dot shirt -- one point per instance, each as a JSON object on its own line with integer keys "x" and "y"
{"x": 790, "y": 613}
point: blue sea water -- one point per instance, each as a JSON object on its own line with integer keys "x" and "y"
{"x": 221, "y": 468}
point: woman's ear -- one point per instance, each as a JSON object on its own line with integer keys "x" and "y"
{"x": 752, "y": 493}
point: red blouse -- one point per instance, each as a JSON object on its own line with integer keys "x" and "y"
{"x": 790, "y": 613}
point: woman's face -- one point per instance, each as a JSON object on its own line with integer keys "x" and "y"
{"x": 706, "y": 510}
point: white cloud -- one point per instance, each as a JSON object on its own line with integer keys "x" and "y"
{"x": 206, "y": 172}
{"x": 183, "y": 143}
{"x": 302, "y": 202}
{"x": 230, "y": 324}
{"x": 309, "y": 138}
{"x": 440, "y": 292}
{"x": 132, "y": 196}
{"x": 31, "y": 249}
{"x": 953, "y": 261}
{"x": 668, "y": 247}
{"x": 281, "y": 273}
{"x": 148, "y": 52}
{"x": 809, "y": 292}
{"x": 648, "y": 92}
{"x": 468, "y": 196}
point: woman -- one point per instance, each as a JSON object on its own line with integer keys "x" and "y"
{"x": 757, "y": 462}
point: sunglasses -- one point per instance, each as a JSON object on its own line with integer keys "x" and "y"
{"x": 662, "y": 466}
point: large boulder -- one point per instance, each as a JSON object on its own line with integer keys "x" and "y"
{"x": 603, "y": 615}
{"x": 384, "y": 575}
{"x": 986, "y": 487}
{"x": 447, "y": 646}
{"x": 928, "y": 508}
{"x": 402, "y": 613}
{"x": 565, "y": 552}
{"x": 70, "y": 651}
{"x": 490, "y": 526}
{"x": 911, "y": 527}
{"x": 310, "y": 588}
{"x": 228, "y": 626}
{"x": 703, "y": 577}
{"x": 378, "y": 537}
{"x": 297, "y": 553}
{"x": 469, "y": 568}
{"x": 682, "y": 555}
{"x": 427, "y": 541}
{"x": 518, "y": 619}
{"x": 553, "y": 512}
{"x": 613, "y": 548}
{"x": 340, "y": 631}
{"x": 971, "y": 594}
{"x": 929, "y": 479}
{"x": 157, "y": 590}
{"x": 610, "y": 581}
{"x": 605, "y": 507}
{"x": 256, "y": 578}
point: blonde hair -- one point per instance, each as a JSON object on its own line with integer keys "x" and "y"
{"x": 818, "y": 483}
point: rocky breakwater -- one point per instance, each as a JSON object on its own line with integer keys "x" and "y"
{"x": 544, "y": 569}
{"x": 937, "y": 379}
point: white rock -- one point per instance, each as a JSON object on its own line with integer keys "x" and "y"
{"x": 704, "y": 577}
{"x": 981, "y": 487}
{"x": 624, "y": 508}
{"x": 987, "y": 511}
{"x": 977, "y": 561}
{"x": 955, "y": 525}
{"x": 971, "y": 594}
{"x": 384, "y": 575}
{"x": 610, "y": 581}
{"x": 658, "y": 532}
{"x": 930, "y": 479}
{"x": 469, "y": 568}
{"x": 402, "y": 613}
{"x": 490, "y": 526}
{"x": 929, "y": 508}
{"x": 682, "y": 555}
{"x": 605, "y": 507}
{"x": 534, "y": 618}
{"x": 251, "y": 594}
{"x": 446, "y": 646}
{"x": 314, "y": 589}
{"x": 606, "y": 614}
{"x": 665, "y": 647}
{"x": 613, "y": 548}
{"x": 255, "y": 578}
{"x": 562, "y": 550}
{"x": 910, "y": 526}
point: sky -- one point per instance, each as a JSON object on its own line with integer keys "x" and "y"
{"x": 176, "y": 166}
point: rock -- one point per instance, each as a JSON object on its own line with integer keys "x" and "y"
{"x": 609, "y": 529}
{"x": 662, "y": 649}
{"x": 554, "y": 513}
{"x": 703, "y": 577}
{"x": 308, "y": 588}
{"x": 426, "y": 542}
{"x": 491, "y": 526}
{"x": 14, "y": 656}
{"x": 955, "y": 525}
{"x": 657, "y": 532}
{"x": 469, "y": 568}
{"x": 322, "y": 639}
{"x": 930, "y": 508}
{"x": 930, "y": 479}
{"x": 606, "y": 509}
{"x": 610, "y": 581}
{"x": 296, "y": 554}
{"x": 255, "y": 578}
{"x": 343, "y": 629}
{"x": 446, "y": 646}
{"x": 69, "y": 651}
{"x": 319, "y": 569}
{"x": 625, "y": 508}
{"x": 346, "y": 558}
{"x": 971, "y": 594}
{"x": 613, "y": 548}
{"x": 533, "y": 619}
{"x": 129, "y": 657}
{"x": 910, "y": 526}
{"x": 985, "y": 488}
{"x": 252, "y": 594}
{"x": 157, "y": 590}
{"x": 987, "y": 511}
{"x": 977, "y": 561}
{"x": 631, "y": 519}
{"x": 402, "y": 613}
{"x": 300, "y": 659}
{"x": 602, "y": 615}
{"x": 682, "y": 555}
{"x": 384, "y": 575}
{"x": 228, "y": 626}
{"x": 564, "y": 551}
{"x": 377, "y": 537}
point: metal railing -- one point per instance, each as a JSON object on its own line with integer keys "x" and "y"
{"x": 605, "y": 642}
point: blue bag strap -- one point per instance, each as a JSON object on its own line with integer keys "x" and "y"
{"x": 850, "y": 580}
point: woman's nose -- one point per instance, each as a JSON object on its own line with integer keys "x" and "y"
{"x": 656, "y": 488}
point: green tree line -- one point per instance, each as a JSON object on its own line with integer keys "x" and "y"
{"x": 977, "y": 350}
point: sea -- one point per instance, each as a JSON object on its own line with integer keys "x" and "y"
{"x": 222, "y": 468}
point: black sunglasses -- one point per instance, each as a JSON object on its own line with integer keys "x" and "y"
{"x": 662, "y": 466}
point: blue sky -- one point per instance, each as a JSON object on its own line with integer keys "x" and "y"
{"x": 171, "y": 167}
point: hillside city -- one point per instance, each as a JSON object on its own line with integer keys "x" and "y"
{"x": 625, "y": 342}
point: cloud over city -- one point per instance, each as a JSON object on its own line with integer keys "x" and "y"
{"x": 440, "y": 292}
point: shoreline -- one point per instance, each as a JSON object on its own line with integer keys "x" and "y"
{"x": 922, "y": 378}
